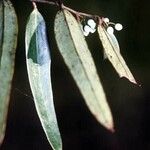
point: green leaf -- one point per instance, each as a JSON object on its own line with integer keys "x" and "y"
{"x": 112, "y": 51}
{"x": 38, "y": 65}
{"x": 8, "y": 42}
{"x": 75, "y": 52}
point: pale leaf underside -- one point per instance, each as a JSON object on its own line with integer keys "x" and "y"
{"x": 115, "y": 43}
{"x": 8, "y": 42}
{"x": 75, "y": 52}
{"x": 113, "y": 54}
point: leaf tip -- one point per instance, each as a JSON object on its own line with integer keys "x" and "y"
{"x": 109, "y": 126}
{"x": 107, "y": 122}
{"x": 1, "y": 139}
{"x": 112, "y": 130}
{"x": 131, "y": 79}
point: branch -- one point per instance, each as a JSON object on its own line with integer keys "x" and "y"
{"x": 46, "y": 2}
{"x": 56, "y": 3}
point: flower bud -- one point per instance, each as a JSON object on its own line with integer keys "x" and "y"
{"x": 85, "y": 33}
{"x": 118, "y": 26}
{"x": 91, "y": 23}
{"x": 87, "y": 28}
{"x": 110, "y": 30}
{"x": 106, "y": 20}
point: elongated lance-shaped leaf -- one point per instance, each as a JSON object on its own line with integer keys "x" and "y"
{"x": 38, "y": 65}
{"x": 114, "y": 55}
{"x": 75, "y": 52}
{"x": 8, "y": 42}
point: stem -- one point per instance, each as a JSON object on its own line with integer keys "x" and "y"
{"x": 45, "y": 2}
{"x": 80, "y": 14}
{"x": 60, "y": 4}
{"x": 111, "y": 23}
{"x": 34, "y": 5}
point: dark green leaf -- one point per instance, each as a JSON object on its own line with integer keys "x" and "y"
{"x": 38, "y": 65}
{"x": 75, "y": 52}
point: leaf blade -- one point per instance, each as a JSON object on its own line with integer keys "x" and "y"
{"x": 113, "y": 53}
{"x": 8, "y": 43}
{"x": 113, "y": 40}
{"x": 75, "y": 52}
{"x": 38, "y": 65}
{"x": 1, "y": 26}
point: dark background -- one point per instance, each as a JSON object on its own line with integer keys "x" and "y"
{"x": 129, "y": 103}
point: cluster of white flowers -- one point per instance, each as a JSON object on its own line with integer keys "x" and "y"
{"x": 110, "y": 29}
{"x": 91, "y": 27}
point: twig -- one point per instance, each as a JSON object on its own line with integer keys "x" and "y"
{"x": 81, "y": 14}
{"x": 56, "y": 3}
{"x": 34, "y": 5}
{"x": 45, "y": 2}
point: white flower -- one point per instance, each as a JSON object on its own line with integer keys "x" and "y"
{"x": 118, "y": 26}
{"x": 85, "y": 33}
{"x": 91, "y": 23}
{"x": 106, "y": 20}
{"x": 87, "y": 30}
{"x": 110, "y": 30}
{"x": 92, "y": 30}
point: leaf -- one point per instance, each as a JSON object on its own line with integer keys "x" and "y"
{"x": 115, "y": 44}
{"x": 8, "y": 42}
{"x": 113, "y": 54}
{"x": 75, "y": 52}
{"x": 38, "y": 65}
{"x": 1, "y": 26}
